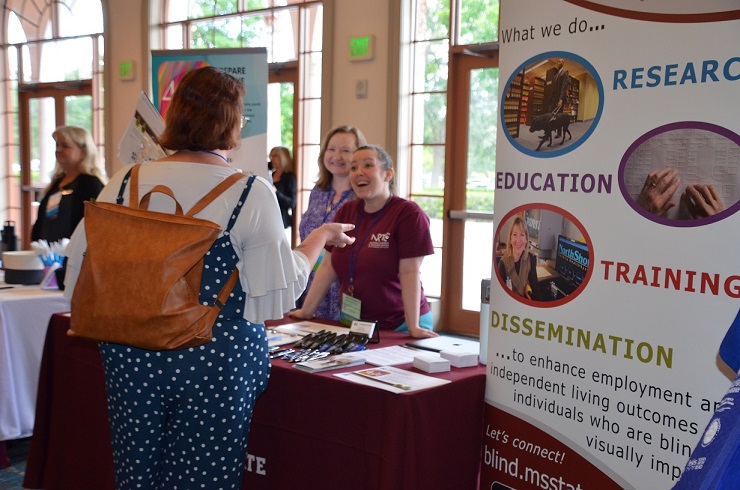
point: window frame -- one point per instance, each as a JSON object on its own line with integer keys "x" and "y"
{"x": 41, "y": 27}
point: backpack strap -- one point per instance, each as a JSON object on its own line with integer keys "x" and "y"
{"x": 214, "y": 193}
{"x": 133, "y": 176}
{"x": 162, "y": 189}
{"x": 133, "y": 191}
{"x": 223, "y": 295}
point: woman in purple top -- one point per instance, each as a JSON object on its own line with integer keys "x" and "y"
{"x": 331, "y": 191}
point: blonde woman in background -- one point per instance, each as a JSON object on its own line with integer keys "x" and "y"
{"x": 78, "y": 177}
{"x": 284, "y": 182}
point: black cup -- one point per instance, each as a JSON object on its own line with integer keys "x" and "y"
{"x": 59, "y": 275}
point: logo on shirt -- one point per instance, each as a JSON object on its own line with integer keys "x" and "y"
{"x": 379, "y": 240}
{"x": 711, "y": 432}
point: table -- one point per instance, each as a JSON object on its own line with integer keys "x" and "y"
{"x": 24, "y": 316}
{"x": 308, "y": 430}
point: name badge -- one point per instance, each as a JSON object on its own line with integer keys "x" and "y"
{"x": 52, "y": 205}
{"x": 351, "y": 308}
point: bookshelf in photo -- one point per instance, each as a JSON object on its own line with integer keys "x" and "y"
{"x": 525, "y": 104}
{"x": 536, "y": 104}
{"x": 512, "y": 105}
{"x": 571, "y": 102}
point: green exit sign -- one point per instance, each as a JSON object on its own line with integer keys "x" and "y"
{"x": 126, "y": 70}
{"x": 362, "y": 48}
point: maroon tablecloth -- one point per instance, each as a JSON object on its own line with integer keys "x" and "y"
{"x": 70, "y": 448}
{"x": 308, "y": 430}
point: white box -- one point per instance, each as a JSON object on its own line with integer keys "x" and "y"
{"x": 431, "y": 363}
{"x": 460, "y": 358}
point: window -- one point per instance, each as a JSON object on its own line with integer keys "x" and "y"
{"x": 447, "y": 156}
{"x": 54, "y": 64}
{"x": 292, "y": 31}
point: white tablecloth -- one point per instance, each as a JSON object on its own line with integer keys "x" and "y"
{"x": 24, "y": 317}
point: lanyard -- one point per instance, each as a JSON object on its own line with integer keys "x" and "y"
{"x": 358, "y": 244}
{"x": 331, "y": 207}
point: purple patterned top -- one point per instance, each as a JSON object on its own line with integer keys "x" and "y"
{"x": 319, "y": 211}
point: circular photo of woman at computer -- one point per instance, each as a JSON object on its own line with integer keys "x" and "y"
{"x": 543, "y": 255}
{"x": 552, "y": 103}
{"x": 683, "y": 174}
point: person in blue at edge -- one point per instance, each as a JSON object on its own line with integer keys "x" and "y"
{"x": 378, "y": 275}
{"x": 78, "y": 177}
{"x": 714, "y": 463}
{"x": 180, "y": 418}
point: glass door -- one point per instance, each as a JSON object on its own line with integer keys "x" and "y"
{"x": 469, "y": 200}
{"x": 282, "y": 111}
{"x": 42, "y": 108}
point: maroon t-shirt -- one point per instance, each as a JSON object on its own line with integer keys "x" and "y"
{"x": 399, "y": 231}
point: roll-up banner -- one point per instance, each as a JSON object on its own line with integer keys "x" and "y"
{"x": 617, "y": 267}
{"x": 248, "y": 65}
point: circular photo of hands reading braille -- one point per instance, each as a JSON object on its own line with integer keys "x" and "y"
{"x": 683, "y": 174}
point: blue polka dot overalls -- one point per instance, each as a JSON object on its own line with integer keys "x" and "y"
{"x": 180, "y": 419}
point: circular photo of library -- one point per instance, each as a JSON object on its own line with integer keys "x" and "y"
{"x": 683, "y": 174}
{"x": 552, "y": 104}
{"x": 543, "y": 255}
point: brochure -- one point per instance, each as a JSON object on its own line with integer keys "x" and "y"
{"x": 140, "y": 142}
{"x": 392, "y": 379}
{"x": 306, "y": 327}
{"x": 391, "y": 356}
{"x": 338, "y": 361}
{"x": 276, "y": 339}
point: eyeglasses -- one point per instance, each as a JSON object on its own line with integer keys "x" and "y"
{"x": 244, "y": 121}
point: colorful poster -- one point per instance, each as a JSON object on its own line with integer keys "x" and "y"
{"x": 617, "y": 272}
{"x": 247, "y": 64}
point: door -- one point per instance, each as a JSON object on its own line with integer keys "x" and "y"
{"x": 42, "y": 108}
{"x": 282, "y": 122}
{"x": 471, "y": 166}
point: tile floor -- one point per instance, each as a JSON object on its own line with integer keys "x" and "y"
{"x": 11, "y": 478}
